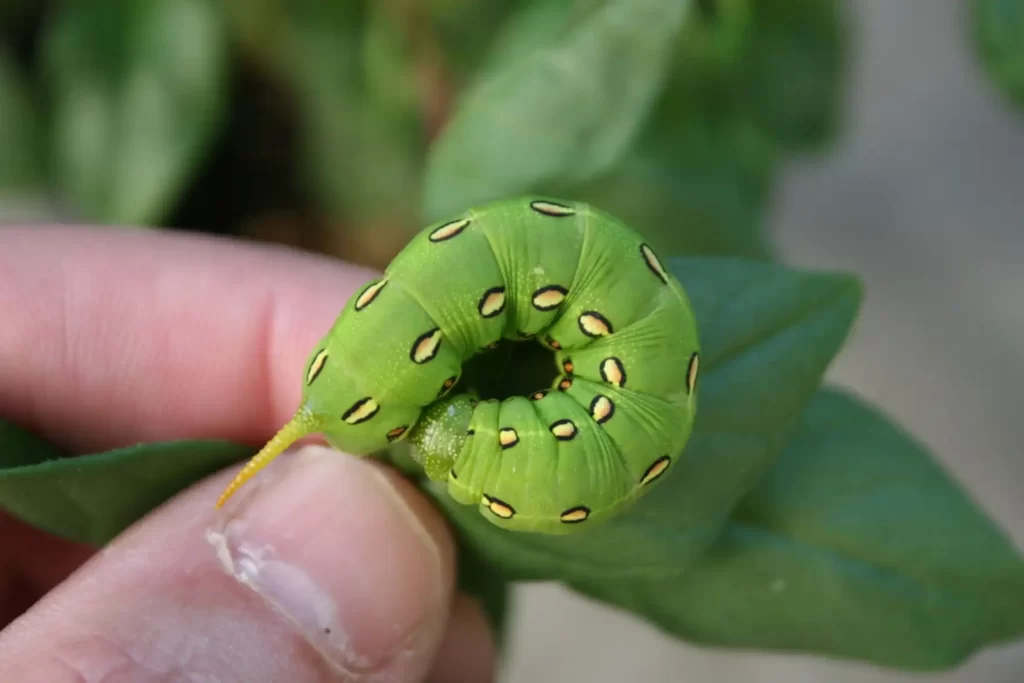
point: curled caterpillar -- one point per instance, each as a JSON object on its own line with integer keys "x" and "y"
{"x": 610, "y": 420}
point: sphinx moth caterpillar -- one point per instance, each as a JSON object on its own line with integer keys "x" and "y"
{"x": 623, "y": 347}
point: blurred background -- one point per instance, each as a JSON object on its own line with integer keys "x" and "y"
{"x": 873, "y": 136}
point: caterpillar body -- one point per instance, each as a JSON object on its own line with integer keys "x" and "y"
{"x": 619, "y": 328}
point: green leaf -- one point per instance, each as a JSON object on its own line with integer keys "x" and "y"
{"x": 20, "y": 447}
{"x": 855, "y": 545}
{"x": 699, "y": 177}
{"x": 137, "y": 92}
{"x": 998, "y": 32}
{"x": 92, "y": 498}
{"x": 353, "y": 72}
{"x": 465, "y": 30}
{"x": 796, "y": 68}
{"x": 20, "y": 170}
{"x": 700, "y": 189}
{"x": 483, "y": 581}
{"x": 562, "y": 112}
{"x": 767, "y": 334}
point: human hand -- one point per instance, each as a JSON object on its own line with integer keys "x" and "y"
{"x": 325, "y": 568}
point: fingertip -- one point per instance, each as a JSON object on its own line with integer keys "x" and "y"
{"x": 351, "y": 555}
{"x": 323, "y": 566}
{"x": 469, "y": 652}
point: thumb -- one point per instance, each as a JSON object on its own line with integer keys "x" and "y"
{"x": 324, "y": 568}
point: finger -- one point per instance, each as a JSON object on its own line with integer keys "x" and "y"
{"x": 112, "y": 337}
{"x": 468, "y": 653}
{"x": 329, "y": 568}
{"x": 31, "y": 563}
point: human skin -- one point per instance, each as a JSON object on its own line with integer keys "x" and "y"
{"x": 325, "y": 568}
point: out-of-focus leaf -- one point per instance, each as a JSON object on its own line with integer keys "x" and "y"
{"x": 767, "y": 333}
{"x": 465, "y": 30}
{"x": 137, "y": 91}
{"x": 702, "y": 189}
{"x": 92, "y": 498}
{"x": 796, "y": 70}
{"x": 350, "y": 66}
{"x": 485, "y": 582}
{"x": 716, "y": 36}
{"x": 20, "y": 168}
{"x": 698, "y": 178}
{"x": 855, "y": 545}
{"x": 561, "y": 113}
{"x": 998, "y": 32}
{"x": 538, "y": 24}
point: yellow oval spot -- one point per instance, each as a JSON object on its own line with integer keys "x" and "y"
{"x": 601, "y": 409}
{"x": 565, "y": 384}
{"x": 564, "y": 430}
{"x": 656, "y": 469}
{"x": 492, "y": 302}
{"x": 426, "y": 346}
{"x": 316, "y": 366}
{"x": 575, "y": 515}
{"x": 361, "y": 411}
{"x": 369, "y": 294}
{"x": 593, "y": 324}
{"x": 396, "y": 433}
{"x": 613, "y": 372}
{"x": 539, "y": 395}
{"x": 549, "y": 298}
{"x": 691, "y": 373}
{"x": 499, "y": 507}
{"x": 554, "y": 344}
{"x": 449, "y": 230}
{"x": 552, "y": 209}
{"x": 507, "y": 437}
{"x": 653, "y": 263}
{"x": 568, "y": 367}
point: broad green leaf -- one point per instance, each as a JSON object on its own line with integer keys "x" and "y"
{"x": 998, "y": 34}
{"x": 20, "y": 167}
{"x": 856, "y": 544}
{"x": 767, "y": 334}
{"x": 562, "y": 112}
{"x": 92, "y": 498}
{"x": 137, "y": 91}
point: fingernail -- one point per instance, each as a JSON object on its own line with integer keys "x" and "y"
{"x": 334, "y": 547}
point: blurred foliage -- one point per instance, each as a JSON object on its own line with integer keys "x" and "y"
{"x": 998, "y": 31}
{"x": 20, "y": 165}
{"x": 343, "y": 127}
{"x": 134, "y": 93}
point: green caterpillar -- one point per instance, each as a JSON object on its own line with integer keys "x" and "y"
{"x": 566, "y": 275}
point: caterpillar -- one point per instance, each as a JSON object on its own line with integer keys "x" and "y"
{"x": 586, "y": 291}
